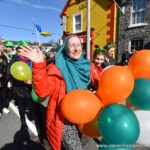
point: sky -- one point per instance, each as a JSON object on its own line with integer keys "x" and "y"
{"x": 19, "y": 14}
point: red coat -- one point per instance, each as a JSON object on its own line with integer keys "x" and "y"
{"x": 50, "y": 82}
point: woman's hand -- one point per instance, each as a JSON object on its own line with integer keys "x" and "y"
{"x": 34, "y": 55}
{"x": 28, "y": 82}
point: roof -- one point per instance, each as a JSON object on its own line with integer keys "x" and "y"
{"x": 65, "y": 7}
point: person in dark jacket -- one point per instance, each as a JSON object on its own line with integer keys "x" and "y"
{"x": 125, "y": 57}
{"x": 21, "y": 90}
{"x": 3, "y": 83}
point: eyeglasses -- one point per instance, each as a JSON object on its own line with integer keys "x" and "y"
{"x": 72, "y": 47}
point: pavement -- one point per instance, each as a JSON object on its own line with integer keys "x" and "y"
{"x": 12, "y": 137}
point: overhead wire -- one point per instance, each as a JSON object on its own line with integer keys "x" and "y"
{"x": 19, "y": 28}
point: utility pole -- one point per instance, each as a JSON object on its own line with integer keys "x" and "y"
{"x": 36, "y": 32}
{"x": 88, "y": 29}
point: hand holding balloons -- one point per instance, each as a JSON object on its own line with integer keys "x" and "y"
{"x": 28, "y": 82}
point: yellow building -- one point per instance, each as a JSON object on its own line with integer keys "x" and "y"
{"x": 103, "y": 21}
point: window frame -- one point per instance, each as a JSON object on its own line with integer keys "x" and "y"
{"x": 130, "y": 44}
{"x": 74, "y": 23}
{"x": 141, "y": 10}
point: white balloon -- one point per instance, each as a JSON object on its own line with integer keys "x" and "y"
{"x": 144, "y": 122}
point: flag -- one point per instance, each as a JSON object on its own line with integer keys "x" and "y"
{"x": 39, "y": 29}
{"x": 45, "y": 34}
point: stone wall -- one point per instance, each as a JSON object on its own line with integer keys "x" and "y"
{"x": 126, "y": 33}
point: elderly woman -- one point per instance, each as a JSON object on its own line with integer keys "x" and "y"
{"x": 70, "y": 71}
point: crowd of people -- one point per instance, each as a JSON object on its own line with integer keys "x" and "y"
{"x": 19, "y": 92}
{"x": 54, "y": 74}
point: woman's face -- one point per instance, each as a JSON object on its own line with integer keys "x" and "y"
{"x": 74, "y": 47}
{"x": 51, "y": 55}
{"x": 111, "y": 51}
{"x": 98, "y": 60}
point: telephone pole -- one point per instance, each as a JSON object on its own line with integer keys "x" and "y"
{"x": 88, "y": 29}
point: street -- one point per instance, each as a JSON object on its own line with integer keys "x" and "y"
{"x": 12, "y": 137}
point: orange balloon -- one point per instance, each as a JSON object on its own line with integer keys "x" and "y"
{"x": 139, "y": 64}
{"x": 80, "y": 106}
{"x": 126, "y": 66}
{"x": 115, "y": 85}
{"x": 90, "y": 129}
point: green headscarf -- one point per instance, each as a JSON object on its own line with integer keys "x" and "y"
{"x": 76, "y": 73}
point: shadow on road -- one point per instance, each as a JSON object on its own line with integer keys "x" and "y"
{"x": 22, "y": 142}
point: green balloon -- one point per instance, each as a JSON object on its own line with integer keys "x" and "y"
{"x": 21, "y": 71}
{"x": 118, "y": 124}
{"x": 140, "y": 96}
{"x": 36, "y": 98}
{"x": 106, "y": 146}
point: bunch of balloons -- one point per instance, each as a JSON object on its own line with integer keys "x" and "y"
{"x": 102, "y": 114}
{"x": 139, "y": 65}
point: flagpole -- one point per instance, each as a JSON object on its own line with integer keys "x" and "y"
{"x": 88, "y": 29}
{"x": 36, "y": 31}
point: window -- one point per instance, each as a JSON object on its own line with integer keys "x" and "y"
{"x": 77, "y": 23}
{"x": 138, "y": 11}
{"x": 137, "y": 44}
